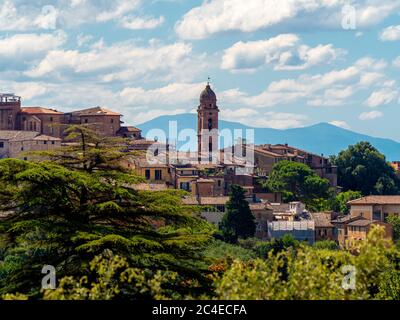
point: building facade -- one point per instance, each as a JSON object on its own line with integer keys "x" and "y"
{"x": 376, "y": 208}
{"x": 19, "y": 144}
{"x": 53, "y": 123}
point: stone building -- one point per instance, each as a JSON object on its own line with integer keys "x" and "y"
{"x": 18, "y": 144}
{"x": 349, "y": 229}
{"x": 376, "y": 208}
{"x": 52, "y": 122}
{"x": 324, "y": 229}
{"x": 266, "y": 156}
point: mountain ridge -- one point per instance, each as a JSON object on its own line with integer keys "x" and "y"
{"x": 320, "y": 138}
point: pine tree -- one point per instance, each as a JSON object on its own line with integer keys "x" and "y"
{"x": 239, "y": 221}
{"x": 68, "y": 211}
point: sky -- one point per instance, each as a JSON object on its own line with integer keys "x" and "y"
{"x": 272, "y": 63}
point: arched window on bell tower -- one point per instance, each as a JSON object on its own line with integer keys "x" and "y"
{"x": 210, "y": 124}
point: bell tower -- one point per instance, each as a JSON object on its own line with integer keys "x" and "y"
{"x": 10, "y": 106}
{"x": 207, "y": 127}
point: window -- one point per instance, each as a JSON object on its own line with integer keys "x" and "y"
{"x": 158, "y": 175}
{"x": 185, "y": 186}
{"x": 52, "y": 142}
{"x": 376, "y": 215}
{"x": 219, "y": 183}
{"x": 86, "y": 120}
{"x": 51, "y": 119}
{"x": 385, "y": 216}
{"x": 112, "y": 120}
{"x": 147, "y": 174}
{"x": 1, "y": 145}
{"x": 44, "y": 142}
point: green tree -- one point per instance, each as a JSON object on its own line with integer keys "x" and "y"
{"x": 363, "y": 168}
{"x": 394, "y": 221}
{"x": 286, "y": 243}
{"x": 326, "y": 244}
{"x": 339, "y": 203}
{"x": 299, "y": 182}
{"x": 238, "y": 221}
{"x": 309, "y": 274}
{"x": 67, "y": 214}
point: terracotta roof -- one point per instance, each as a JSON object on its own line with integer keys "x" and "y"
{"x": 376, "y": 200}
{"x": 214, "y": 200}
{"x": 17, "y": 135}
{"x": 346, "y": 219}
{"x": 144, "y": 163}
{"x": 129, "y": 129}
{"x": 96, "y": 111}
{"x": 11, "y": 134}
{"x": 150, "y": 187}
{"x": 361, "y": 223}
{"x": 258, "y": 206}
{"x": 40, "y": 110}
{"x": 43, "y": 137}
{"x": 206, "y": 201}
{"x": 322, "y": 219}
{"x": 270, "y": 153}
{"x": 278, "y": 207}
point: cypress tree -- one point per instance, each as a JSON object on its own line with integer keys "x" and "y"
{"x": 239, "y": 221}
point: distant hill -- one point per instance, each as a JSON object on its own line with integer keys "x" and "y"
{"x": 322, "y": 138}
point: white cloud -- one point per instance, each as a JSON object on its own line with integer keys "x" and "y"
{"x": 25, "y": 15}
{"x": 284, "y": 52}
{"x": 137, "y": 23}
{"x": 173, "y": 94}
{"x": 396, "y": 62}
{"x": 255, "y": 118}
{"x": 118, "y": 10}
{"x": 340, "y": 124}
{"x": 333, "y": 88}
{"x": 123, "y": 61}
{"x": 83, "y": 39}
{"x": 370, "y": 115}
{"x": 144, "y": 116}
{"x": 27, "y": 90}
{"x": 381, "y": 97}
{"x": 279, "y": 120}
{"x": 215, "y": 16}
{"x": 391, "y": 33}
{"x": 28, "y": 45}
